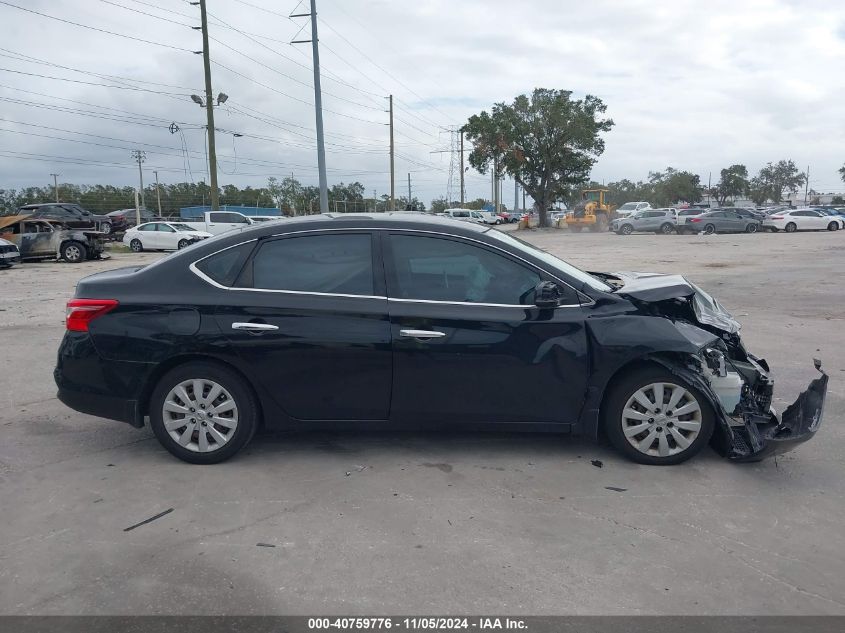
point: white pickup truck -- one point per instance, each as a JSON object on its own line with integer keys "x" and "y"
{"x": 216, "y": 222}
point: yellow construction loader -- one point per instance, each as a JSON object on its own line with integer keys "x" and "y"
{"x": 592, "y": 211}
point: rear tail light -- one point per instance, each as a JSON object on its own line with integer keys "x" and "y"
{"x": 80, "y": 312}
{"x": 695, "y": 219}
{"x": 776, "y": 217}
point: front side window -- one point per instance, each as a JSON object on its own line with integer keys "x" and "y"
{"x": 147, "y": 227}
{"x": 437, "y": 269}
{"x": 333, "y": 264}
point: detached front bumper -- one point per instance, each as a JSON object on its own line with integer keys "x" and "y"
{"x": 799, "y": 423}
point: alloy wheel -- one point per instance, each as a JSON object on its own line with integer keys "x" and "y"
{"x": 661, "y": 419}
{"x": 200, "y": 415}
{"x": 72, "y": 253}
{"x": 709, "y": 229}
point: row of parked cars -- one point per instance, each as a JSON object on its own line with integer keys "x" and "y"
{"x": 730, "y": 220}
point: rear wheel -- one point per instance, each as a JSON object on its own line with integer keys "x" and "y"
{"x": 666, "y": 228}
{"x": 136, "y": 245}
{"x": 105, "y": 227}
{"x": 791, "y": 227}
{"x": 833, "y": 226}
{"x": 751, "y": 228}
{"x": 655, "y": 418}
{"x": 709, "y": 229}
{"x": 74, "y": 252}
{"x": 203, "y": 413}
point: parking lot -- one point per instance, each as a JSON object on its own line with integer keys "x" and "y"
{"x": 339, "y": 523}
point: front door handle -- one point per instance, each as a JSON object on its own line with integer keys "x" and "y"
{"x": 421, "y": 334}
{"x": 254, "y": 327}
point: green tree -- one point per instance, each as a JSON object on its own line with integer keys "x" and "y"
{"x": 672, "y": 186}
{"x": 842, "y": 172}
{"x": 548, "y": 142}
{"x": 775, "y": 181}
{"x": 837, "y": 200}
{"x": 733, "y": 182}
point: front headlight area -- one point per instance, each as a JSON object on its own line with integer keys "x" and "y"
{"x": 743, "y": 387}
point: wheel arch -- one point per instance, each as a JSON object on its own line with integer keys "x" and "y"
{"x": 143, "y": 408}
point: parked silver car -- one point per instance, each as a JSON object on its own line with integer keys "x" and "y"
{"x": 663, "y": 221}
{"x": 724, "y": 221}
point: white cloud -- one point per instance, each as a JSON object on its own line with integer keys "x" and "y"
{"x": 694, "y": 85}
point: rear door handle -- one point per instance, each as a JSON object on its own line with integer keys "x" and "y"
{"x": 254, "y": 327}
{"x": 421, "y": 334}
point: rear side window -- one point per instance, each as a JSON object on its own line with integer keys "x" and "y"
{"x": 225, "y": 266}
{"x": 335, "y": 264}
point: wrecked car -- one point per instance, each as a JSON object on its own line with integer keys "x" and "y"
{"x": 47, "y": 239}
{"x": 9, "y": 254}
{"x": 398, "y": 320}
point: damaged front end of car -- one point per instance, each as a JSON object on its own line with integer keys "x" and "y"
{"x": 737, "y": 383}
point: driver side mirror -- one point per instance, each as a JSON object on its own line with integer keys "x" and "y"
{"x": 547, "y": 295}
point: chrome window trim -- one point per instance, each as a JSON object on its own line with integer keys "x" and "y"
{"x": 209, "y": 280}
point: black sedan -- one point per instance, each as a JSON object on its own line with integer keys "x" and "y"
{"x": 405, "y": 320}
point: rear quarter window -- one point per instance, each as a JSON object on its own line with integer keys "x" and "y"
{"x": 225, "y": 266}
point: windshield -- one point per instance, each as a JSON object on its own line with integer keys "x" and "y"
{"x": 183, "y": 227}
{"x": 551, "y": 260}
{"x": 628, "y": 206}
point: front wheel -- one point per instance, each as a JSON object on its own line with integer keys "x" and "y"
{"x": 182, "y": 244}
{"x": 136, "y": 246}
{"x": 655, "y": 418}
{"x": 667, "y": 229}
{"x": 203, "y": 413}
{"x": 105, "y": 227}
{"x": 709, "y": 229}
{"x": 751, "y": 228}
{"x": 791, "y": 227}
{"x": 74, "y": 252}
{"x": 626, "y": 229}
{"x": 833, "y": 226}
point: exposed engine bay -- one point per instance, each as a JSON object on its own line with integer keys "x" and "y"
{"x": 737, "y": 383}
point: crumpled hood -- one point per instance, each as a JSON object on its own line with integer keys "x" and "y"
{"x": 655, "y": 287}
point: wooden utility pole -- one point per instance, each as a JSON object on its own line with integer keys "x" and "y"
{"x": 392, "y": 174}
{"x": 158, "y": 193}
{"x": 209, "y": 110}
{"x": 56, "y": 185}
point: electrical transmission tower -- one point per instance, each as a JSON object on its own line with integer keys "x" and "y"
{"x": 454, "y": 185}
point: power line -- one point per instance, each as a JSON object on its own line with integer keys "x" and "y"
{"x": 94, "y": 28}
{"x": 90, "y": 83}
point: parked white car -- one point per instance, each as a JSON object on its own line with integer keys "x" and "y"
{"x": 162, "y": 236}
{"x": 802, "y": 220}
{"x": 629, "y": 208}
{"x": 467, "y": 215}
{"x": 9, "y": 254}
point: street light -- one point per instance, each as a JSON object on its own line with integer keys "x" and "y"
{"x": 198, "y": 100}
{"x": 221, "y": 99}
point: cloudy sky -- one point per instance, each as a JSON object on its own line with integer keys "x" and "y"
{"x": 692, "y": 84}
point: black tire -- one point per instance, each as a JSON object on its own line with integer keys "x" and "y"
{"x": 709, "y": 229}
{"x": 666, "y": 229}
{"x": 751, "y": 228}
{"x": 791, "y": 227}
{"x": 833, "y": 226}
{"x": 136, "y": 246}
{"x": 626, "y": 229}
{"x": 74, "y": 252}
{"x": 624, "y": 387}
{"x": 105, "y": 227}
{"x": 182, "y": 244}
{"x": 241, "y": 392}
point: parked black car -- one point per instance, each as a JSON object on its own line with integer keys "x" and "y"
{"x": 71, "y": 215}
{"x": 123, "y": 219}
{"x": 392, "y": 320}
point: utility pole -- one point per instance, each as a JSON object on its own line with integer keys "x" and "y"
{"x": 318, "y": 104}
{"x": 807, "y": 185}
{"x": 140, "y": 157}
{"x": 462, "y": 168}
{"x": 409, "y": 188}
{"x": 709, "y": 178}
{"x": 392, "y": 174}
{"x": 209, "y": 111}
{"x": 158, "y": 193}
{"x": 56, "y": 185}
